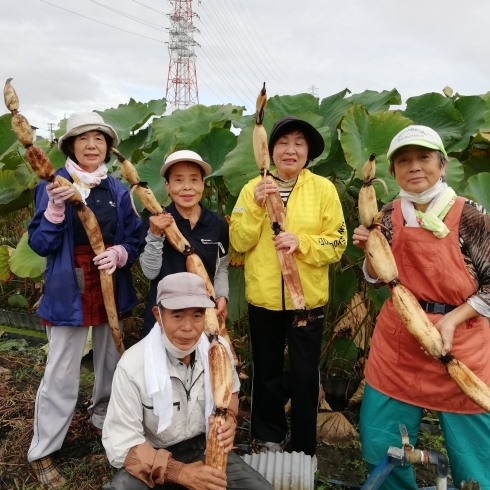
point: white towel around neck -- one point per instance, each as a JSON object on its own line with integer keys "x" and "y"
{"x": 159, "y": 384}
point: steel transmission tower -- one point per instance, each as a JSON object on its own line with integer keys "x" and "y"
{"x": 182, "y": 77}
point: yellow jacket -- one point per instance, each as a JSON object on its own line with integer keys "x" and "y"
{"x": 314, "y": 214}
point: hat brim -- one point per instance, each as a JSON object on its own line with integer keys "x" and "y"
{"x": 205, "y": 166}
{"x": 423, "y": 143}
{"x": 316, "y": 144}
{"x": 187, "y": 301}
{"x": 104, "y": 128}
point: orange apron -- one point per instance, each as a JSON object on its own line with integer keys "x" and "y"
{"x": 435, "y": 271}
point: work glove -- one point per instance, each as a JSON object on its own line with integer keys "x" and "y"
{"x": 57, "y": 195}
{"x": 113, "y": 257}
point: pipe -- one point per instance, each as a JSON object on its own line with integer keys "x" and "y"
{"x": 408, "y": 455}
{"x": 379, "y": 474}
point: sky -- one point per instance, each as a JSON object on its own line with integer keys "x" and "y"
{"x": 86, "y": 55}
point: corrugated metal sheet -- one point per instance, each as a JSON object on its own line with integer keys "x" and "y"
{"x": 285, "y": 471}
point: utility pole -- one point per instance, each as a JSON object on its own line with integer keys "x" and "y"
{"x": 182, "y": 77}
{"x": 313, "y": 90}
{"x": 51, "y": 132}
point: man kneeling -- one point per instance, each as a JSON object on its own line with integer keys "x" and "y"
{"x": 155, "y": 428}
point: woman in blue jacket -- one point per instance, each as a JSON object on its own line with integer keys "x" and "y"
{"x": 72, "y": 297}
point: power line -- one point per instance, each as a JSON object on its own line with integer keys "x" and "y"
{"x": 103, "y": 23}
{"x": 218, "y": 48}
{"x": 151, "y": 8}
{"x": 264, "y": 45}
{"x": 225, "y": 79}
{"x": 136, "y": 19}
{"x": 224, "y": 25}
{"x": 232, "y": 19}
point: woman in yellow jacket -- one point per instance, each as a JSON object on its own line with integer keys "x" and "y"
{"x": 316, "y": 235}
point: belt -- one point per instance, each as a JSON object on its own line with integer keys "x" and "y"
{"x": 432, "y": 307}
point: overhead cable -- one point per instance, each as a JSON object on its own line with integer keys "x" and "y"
{"x": 229, "y": 20}
{"x": 103, "y": 23}
{"x": 263, "y": 45}
{"x": 136, "y": 19}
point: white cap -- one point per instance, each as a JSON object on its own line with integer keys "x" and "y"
{"x": 416, "y": 135}
{"x": 185, "y": 156}
{"x": 81, "y": 122}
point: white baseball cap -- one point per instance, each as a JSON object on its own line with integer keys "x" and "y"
{"x": 81, "y": 122}
{"x": 416, "y": 135}
{"x": 185, "y": 156}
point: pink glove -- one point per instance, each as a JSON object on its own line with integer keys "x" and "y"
{"x": 113, "y": 257}
{"x": 58, "y": 195}
{"x": 55, "y": 211}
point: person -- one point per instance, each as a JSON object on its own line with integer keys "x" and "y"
{"x": 156, "y": 424}
{"x": 316, "y": 235}
{"x": 206, "y": 231}
{"x": 441, "y": 247}
{"x": 72, "y": 299}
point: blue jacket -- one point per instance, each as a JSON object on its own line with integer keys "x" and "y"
{"x": 61, "y": 303}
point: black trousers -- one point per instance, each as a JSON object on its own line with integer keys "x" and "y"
{"x": 268, "y": 331}
{"x": 240, "y": 476}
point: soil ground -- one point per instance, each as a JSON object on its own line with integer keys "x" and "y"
{"x": 82, "y": 459}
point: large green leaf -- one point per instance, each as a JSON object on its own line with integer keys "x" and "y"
{"x": 24, "y": 262}
{"x": 382, "y": 165}
{"x": 378, "y": 296}
{"x": 132, "y": 116}
{"x": 486, "y": 124}
{"x": 437, "y": 112}
{"x": 149, "y": 170}
{"x": 333, "y": 108}
{"x": 376, "y": 101}
{"x": 325, "y": 132}
{"x": 214, "y": 146}
{"x": 364, "y": 134}
{"x": 13, "y": 159}
{"x": 286, "y": 105}
{"x": 479, "y": 189}
{"x": 56, "y": 156}
{"x": 10, "y": 189}
{"x": 133, "y": 143}
{"x": 473, "y": 109}
{"x": 455, "y": 175}
{"x": 21, "y": 201}
{"x": 352, "y": 253}
{"x": 190, "y": 123}
{"x": 344, "y": 288}
{"x": 478, "y": 161}
{"x": 7, "y": 136}
{"x": 237, "y": 304}
{"x": 239, "y": 166}
{"x": 4, "y": 263}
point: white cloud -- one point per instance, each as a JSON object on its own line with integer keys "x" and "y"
{"x": 62, "y": 63}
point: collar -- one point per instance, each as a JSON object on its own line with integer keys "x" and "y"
{"x": 206, "y": 218}
{"x": 176, "y": 362}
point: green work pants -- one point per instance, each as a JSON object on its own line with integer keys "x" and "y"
{"x": 467, "y": 438}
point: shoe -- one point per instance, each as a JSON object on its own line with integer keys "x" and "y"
{"x": 269, "y": 447}
{"x": 47, "y": 472}
{"x": 98, "y": 414}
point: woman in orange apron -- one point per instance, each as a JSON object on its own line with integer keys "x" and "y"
{"x": 441, "y": 246}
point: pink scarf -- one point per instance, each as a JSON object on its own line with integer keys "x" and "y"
{"x": 83, "y": 180}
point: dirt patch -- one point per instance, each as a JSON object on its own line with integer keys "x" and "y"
{"x": 82, "y": 458}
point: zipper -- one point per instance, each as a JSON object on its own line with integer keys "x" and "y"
{"x": 187, "y": 392}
